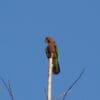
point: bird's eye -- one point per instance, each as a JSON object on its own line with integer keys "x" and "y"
{"x": 48, "y": 41}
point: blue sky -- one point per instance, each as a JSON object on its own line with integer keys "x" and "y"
{"x": 75, "y": 25}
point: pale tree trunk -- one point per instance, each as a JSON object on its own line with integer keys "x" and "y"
{"x": 49, "y": 95}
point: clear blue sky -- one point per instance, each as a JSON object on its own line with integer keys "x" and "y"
{"x": 75, "y": 25}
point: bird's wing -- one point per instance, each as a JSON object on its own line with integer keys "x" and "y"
{"x": 57, "y": 51}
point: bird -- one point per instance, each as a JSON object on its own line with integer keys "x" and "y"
{"x": 52, "y": 49}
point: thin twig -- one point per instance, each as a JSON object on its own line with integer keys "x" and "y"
{"x": 64, "y": 94}
{"x": 8, "y": 88}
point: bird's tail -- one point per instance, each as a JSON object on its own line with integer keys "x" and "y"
{"x": 56, "y": 67}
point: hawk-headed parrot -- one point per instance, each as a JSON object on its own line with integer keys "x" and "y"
{"x": 52, "y": 49}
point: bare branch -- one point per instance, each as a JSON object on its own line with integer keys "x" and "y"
{"x": 50, "y": 78}
{"x": 8, "y": 88}
{"x": 65, "y": 93}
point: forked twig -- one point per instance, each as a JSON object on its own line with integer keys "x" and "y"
{"x": 8, "y": 88}
{"x": 64, "y": 94}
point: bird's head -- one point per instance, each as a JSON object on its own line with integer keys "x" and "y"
{"x": 49, "y": 40}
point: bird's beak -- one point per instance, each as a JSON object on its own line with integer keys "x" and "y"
{"x": 45, "y": 41}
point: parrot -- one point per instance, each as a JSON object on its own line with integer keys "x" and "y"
{"x": 52, "y": 49}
